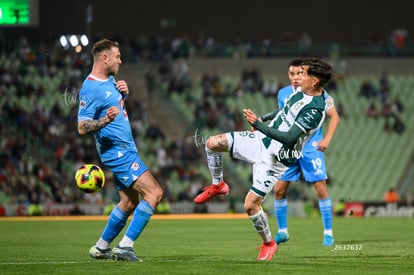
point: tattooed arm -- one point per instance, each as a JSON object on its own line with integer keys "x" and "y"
{"x": 90, "y": 126}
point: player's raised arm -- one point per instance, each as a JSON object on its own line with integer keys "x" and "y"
{"x": 332, "y": 126}
{"x": 89, "y": 126}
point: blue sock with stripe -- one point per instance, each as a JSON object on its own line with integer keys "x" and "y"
{"x": 142, "y": 215}
{"x": 325, "y": 207}
{"x": 116, "y": 221}
{"x": 281, "y": 207}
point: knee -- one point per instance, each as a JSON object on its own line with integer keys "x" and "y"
{"x": 280, "y": 192}
{"x": 156, "y": 195}
{"x": 251, "y": 208}
{"x": 209, "y": 143}
{"x": 321, "y": 191}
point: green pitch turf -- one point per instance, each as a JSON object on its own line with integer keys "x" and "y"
{"x": 363, "y": 246}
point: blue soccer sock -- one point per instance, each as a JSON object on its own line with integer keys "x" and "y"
{"x": 116, "y": 221}
{"x": 325, "y": 207}
{"x": 142, "y": 215}
{"x": 281, "y": 207}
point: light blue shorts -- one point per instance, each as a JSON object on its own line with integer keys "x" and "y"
{"x": 311, "y": 164}
{"x": 126, "y": 169}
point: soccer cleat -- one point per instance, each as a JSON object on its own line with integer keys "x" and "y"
{"x": 98, "y": 253}
{"x": 267, "y": 250}
{"x": 328, "y": 240}
{"x": 281, "y": 237}
{"x": 125, "y": 254}
{"x": 210, "y": 191}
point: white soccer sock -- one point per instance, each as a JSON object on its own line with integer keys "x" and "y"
{"x": 328, "y": 232}
{"x": 215, "y": 165}
{"x": 259, "y": 221}
{"x": 102, "y": 244}
{"x": 126, "y": 242}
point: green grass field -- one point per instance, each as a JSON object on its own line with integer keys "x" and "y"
{"x": 216, "y": 246}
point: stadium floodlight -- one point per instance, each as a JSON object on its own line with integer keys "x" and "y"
{"x": 84, "y": 40}
{"x": 63, "y": 41}
{"x": 74, "y": 41}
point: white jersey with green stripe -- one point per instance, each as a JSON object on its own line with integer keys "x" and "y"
{"x": 306, "y": 112}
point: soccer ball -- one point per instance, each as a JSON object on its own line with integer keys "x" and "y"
{"x": 90, "y": 178}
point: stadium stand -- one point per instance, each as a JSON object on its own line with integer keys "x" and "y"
{"x": 40, "y": 149}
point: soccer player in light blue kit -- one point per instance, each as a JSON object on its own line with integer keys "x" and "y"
{"x": 102, "y": 113}
{"x": 311, "y": 163}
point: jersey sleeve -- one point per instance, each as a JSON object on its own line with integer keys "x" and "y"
{"x": 308, "y": 119}
{"x": 280, "y": 101}
{"x": 329, "y": 102}
{"x": 87, "y": 106}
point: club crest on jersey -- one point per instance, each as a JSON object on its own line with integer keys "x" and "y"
{"x": 135, "y": 166}
{"x": 298, "y": 105}
{"x": 82, "y": 104}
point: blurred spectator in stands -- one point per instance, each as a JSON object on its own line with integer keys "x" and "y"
{"x": 372, "y": 111}
{"x": 164, "y": 160}
{"x": 367, "y": 89}
{"x": 251, "y": 80}
{"x": 398, "y": 104}
{"x": 270, "y": 88}
{"x": 391, "y": 196}
{"x": 397, "y": 41}
{"x": 387, "y": 109}
{"x": 35, "y": 207}
{"x": 384, "y": 93}
{"x": 398, "y": 126}
{"x": 76, "y": 211}
{"x": 154, "y": 132}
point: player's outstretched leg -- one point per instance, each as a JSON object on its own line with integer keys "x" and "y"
{"x": 215, "y": 166}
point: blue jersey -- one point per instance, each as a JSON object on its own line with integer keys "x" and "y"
{"x": 282, "y": 98}
{"x": 95, "y": 97}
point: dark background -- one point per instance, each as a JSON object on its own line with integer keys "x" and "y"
{"x": 352, "y": 21}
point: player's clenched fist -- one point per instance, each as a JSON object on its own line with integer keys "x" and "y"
{"x": 111, "y": 113}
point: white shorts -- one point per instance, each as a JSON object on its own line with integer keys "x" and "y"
{"x": 250, "y": 147}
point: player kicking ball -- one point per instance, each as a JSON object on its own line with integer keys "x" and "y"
{"x": 270, "y": 149}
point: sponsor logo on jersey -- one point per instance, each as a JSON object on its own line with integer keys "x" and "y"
{"x": 108, "y": 93}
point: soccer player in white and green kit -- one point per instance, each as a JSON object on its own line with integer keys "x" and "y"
{"x": 311, "y": 164}
{"x": 272, "y": 148}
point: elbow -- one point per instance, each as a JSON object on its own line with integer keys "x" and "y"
{"x": 338, "y": 119}
{"x": 81, "y": 131}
